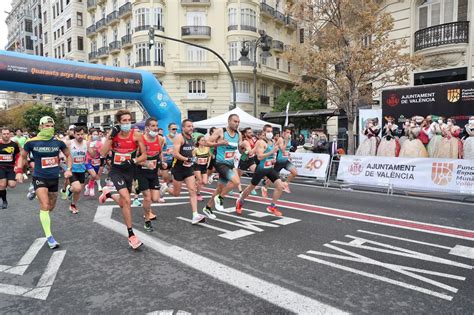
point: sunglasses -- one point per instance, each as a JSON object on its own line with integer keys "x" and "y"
{"x": 174, "y": 129}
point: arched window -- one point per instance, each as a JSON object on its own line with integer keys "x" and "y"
{"x": 436, "y": 12}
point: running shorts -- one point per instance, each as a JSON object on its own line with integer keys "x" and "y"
{"x": 287, "y": 165}
{"x": 180, "y": 173}
{"x": 50, "y": 184}
{"x": 122, "y": 178}
{"x": 225, "y": 171}
{"x": 78, "y": 177}
{"x": 259, "y": 174}
{"x": 7, "y": 172}
{"x": 147, "y": 180}
{"x": 245, "y": 165}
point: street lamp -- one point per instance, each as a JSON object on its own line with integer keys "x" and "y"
{"x": 265, "y": 43}
{"x": 151, "y": 42}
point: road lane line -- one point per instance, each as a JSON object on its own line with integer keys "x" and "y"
{"x": 405, "y": 239}
{"x": 28, "y": 257}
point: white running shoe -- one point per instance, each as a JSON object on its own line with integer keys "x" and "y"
{"x": 198, "y": 218}
{"x": 92, "y": 192}
{"x": 163, "y": 189}
{"x": 211, "y": 179}
{"x": 218, "y": 202}
{"x": 86, "y": 191}
{"x": 209, "y": 213}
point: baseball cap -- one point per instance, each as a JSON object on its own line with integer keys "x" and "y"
{"x": 45, "y": 120}
{"x": 71, "y": 127}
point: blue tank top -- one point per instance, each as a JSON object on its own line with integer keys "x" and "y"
{"x": 168, "y": 149}
{"x": 45, "y": 154}
{"x": 283, "y": 157}
{"x": 266, "y": 163}
{"x": 78, "y": 155}
{"x": 225, "y": 153}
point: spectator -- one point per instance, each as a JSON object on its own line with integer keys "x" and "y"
{"x": 301, "y": 140}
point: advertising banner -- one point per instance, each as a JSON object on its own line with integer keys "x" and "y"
{"x": 446, "y": 175}
{"x": 310, "y": 164}
{"x": 364, "y": 115}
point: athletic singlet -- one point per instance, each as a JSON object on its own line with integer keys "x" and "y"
{"x": 78, "y": 155}
{"x": 46, "y": 156}
{"x": 266, "y": 163}
{"x": 94, "y": 160}
{"x": 202, "y": 156}
{"x": 245, "y": 156}
{"x": 123, "y": 150}
{"x": 153, "y": 151}
{"x": 225, "y": 153}
{"x": 9, "y": 154}
{"x": 283, "y": 157}
{"x": 185, "y": 150}
{"x": 168, "y": 149}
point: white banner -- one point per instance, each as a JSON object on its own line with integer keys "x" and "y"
{"x": 447, "y": 175}
{"x": 310, "y": 164}
{"x": 364, "y": 115}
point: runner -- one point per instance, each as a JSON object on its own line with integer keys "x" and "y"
{"x": 282, "y": 160}
{"x": 45, "y": 149}
{"x": 265, "y": 150}
{"x": 203, "y": 157}
{"x": 212, "y": 163}
{"x": 9, "y": 154}
{"x": 67, "y": 140}
{"x": 93, "y": 161}
{"x": 78, "y": 150}
{"x": 247, "y": 161}
{"x": 168, "y": 151}
{"x": 19, "y": 138}
{"x": 182, "y": 168}
{"x": 124, "y": 143}
{"x": 147, "y": 172}
{"x": 227, "y": 141}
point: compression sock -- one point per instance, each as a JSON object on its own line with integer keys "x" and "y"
{"x": 91, "y": 184}
{"x": 3, "y": 194}
{"x": 130, "y": 232}
{"x": 45, "y": 222}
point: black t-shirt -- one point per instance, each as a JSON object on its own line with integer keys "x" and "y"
{"x": 8, "y": 153}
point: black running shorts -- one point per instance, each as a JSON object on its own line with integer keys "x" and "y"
{"x": 180, "y": 173}
{"x": 245, "y": 165}
{"x": 287, "y": 165}
{"x": 50, "y": 184}
{"x": 260, "y": 173}
{"x": 78, "y": 177}
{"x": 147, "y": 180}
{"x": 7, "y": 172}
{"x": 122, "y": 178}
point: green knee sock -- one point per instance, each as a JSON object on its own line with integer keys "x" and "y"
{"x": 45, "y": 222}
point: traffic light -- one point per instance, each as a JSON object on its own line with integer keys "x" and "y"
{"x": 151, "y": 37}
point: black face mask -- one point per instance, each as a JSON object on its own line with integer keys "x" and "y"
{"x": 71, "y": 137}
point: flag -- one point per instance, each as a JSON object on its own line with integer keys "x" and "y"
{"x": 286, "y": 119}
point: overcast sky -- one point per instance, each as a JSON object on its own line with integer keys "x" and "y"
{"x": 5, "y": 5}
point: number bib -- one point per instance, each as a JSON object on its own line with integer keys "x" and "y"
{"x": 229, "y": 155}
{"x": 49, "y": 162}
{"x": 202, "y": 161}
{"x": 6, "y": 158}
{"x": 79, "y": 160}
{"x": 268, "y": 164}
{"x": 119, "y": 158}
{"x": 149, "y": 165}
{"x": 95, "y": 162}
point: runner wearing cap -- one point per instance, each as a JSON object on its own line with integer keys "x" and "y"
{"x": 45, "y": 149}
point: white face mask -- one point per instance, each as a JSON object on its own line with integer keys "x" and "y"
{"x": 471, "y": 122}
{"x": 152, "y": 133}
{"x": 269, "y": 135}
{"x": 440, "y": 121}
{"x": 450, "y": 123}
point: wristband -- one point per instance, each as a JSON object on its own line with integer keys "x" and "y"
{"x": 18, "y": 170}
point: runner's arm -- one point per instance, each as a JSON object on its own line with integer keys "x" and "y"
{"x": 260, "y": 150}
{"x": 216, "y": 139}
{"x": 141, "y": 147}
{"x": 106, "y": 146}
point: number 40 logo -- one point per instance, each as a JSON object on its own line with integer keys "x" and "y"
{"x": 314, "y": 164}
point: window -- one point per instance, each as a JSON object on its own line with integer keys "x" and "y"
{"x": 114, "y": 5}
{"x": 107, "y": 119}
{"x": 142, "y": 17}
{"x": 117, "y": 104}
{"x": 234, "y": 53}
{"x": 96, "y": 119}
{"x": 116, "y": 62}
{"x": 128, "y": 28}
{"x": 129, "y": 59}
{"x": 158, "y": 54}
{"x": 29, "y": 43}
{"x": 196, "y": 54}
{"x": 68, "y": 24}
{"x": 158, "y": 18}
{"x": 45, "y": 17}
{"x": 242, "y": 87}
{"x": 62, "y": 7}
{"x": 196, "y": 18}
{"x": 29, "y": 26}
{"x": 436, "y": 12}
{"x": 301, "y": 35}
{"x": 289, "y": 67}
{"x": 248, "y": 18}
{"x": 104, "y": 40}
{"x": 69, "y": 44}
{"x": 143, "y": 54}
{"x": 115, "y": 35}
{"x": 79, "y": 18}
{"x": 277, "y": 63}
{"x": 276, "y": 91}
{"x": 46, "y": 37}
{"x": 80, "y": 43}
{"x": 54, "y": 35}
{"x": 96, "y": 107}
{"x": 57, "y": 8}
{"x": 134, "y": 117}
{"x": 62, "y": 30}
{"x": 264, "y": 60}
{"x": 63, "y": 50}
{"x": 106, "y": 105}
{"x": 54, "y": 12}
{"x": 232, "y": 16}
{"x": 197, "y": 89}
{"x": 55, "y": 53}
{"x": 264, "y": 89}
{"x": 67, "y": 2}
{"x": 94, "y": 46}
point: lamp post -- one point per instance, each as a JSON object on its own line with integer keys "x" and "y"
{"x": 265, "y": 43}
{"x": 151, "y": 42}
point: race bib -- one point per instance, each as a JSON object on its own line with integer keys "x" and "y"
{"x": 6, "y": 158}
{"x": 229, "y": 155}
{"x": 49, "y": 162}
{"x": 119, "y": 158}
{"x": 149, "y": 165}
{"x": 202, "y": 161}
{"x": 169, "y": 151}
{"x": 187, "y": 164}
{"x": 79, "y": 159}
{"x": 95, "y": 162}
{"x": 268, "y": 164}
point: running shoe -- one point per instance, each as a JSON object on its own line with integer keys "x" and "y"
{"x": 218, "y": 200}
{"x": 238, "y": 206}
{"x": 103, "y": 196}
{"x": 274, "y": 210}
{"x": 86, "y": 191}
{"x": 199, "y": 197}
{"x": 25, "y": 177}
{"x": 136, "y": 203}
{"x": 31, "y": 193}
{"x": 52, "y": 242}
{"x": 5, "y": 205}
{"x": 73, "y": 209}
{"x": 92, "y": 192}
{"x": 163, "y": 189}
{"x": 99, "y": 186}
{"x": 286, "y": 188}
{"x": 148, "y": 227}
{"x": 152, "y": 217}
{"x": 161, "y": 200}
{"x": 209, "y": 213}
{"x": 211, "y": 179}
{"x": 134, "y": 242}
{"x": 253, "y": 192}
{"x": 264, "y": 192}
{"x": 63, "y": 194}
{"x": 231, "y": 193}
{"x": 69, "y": 192}
{"x": 198, "y": 218}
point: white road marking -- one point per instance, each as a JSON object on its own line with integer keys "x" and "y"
{"x": 168, "y": 312}
{"x": 27, "y": 258}
{"x": 228, "y": 234}
{"x": 462, "y": 251}
{"x": 270, "y": 292}
{"x": 404, "y": 239}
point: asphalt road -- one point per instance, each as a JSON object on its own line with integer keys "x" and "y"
{"x": 333, "y": 252}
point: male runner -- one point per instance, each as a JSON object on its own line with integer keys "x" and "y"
{"x": 168, "y": 155}
{"x": 265, "y": 149}
{"x": 78, "y": 150}
{"x": 147, "y": 172}
{"x": 93, "y": 161}
{"x": 282, "y": 160}
{"x": 67, "y": 140}
{"x": 124, "y": 143}
{"x": 247, "y": 161}
{"x": 183, "y": 170}
{"x": 227, "y": 141}
{"x": 19, "y": 137}
{"x": 9, "y": 154}
{"x": 45, "y": 149}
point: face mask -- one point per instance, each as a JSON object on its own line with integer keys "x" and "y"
{"x": 269, "y": 135}
{"x": 471, "y": 122}
{"x": 95, "y": 138}
{"x": 313, "y": 136}
{"x": 440, "y": 121}
{"x": 153, "y": 133}
{"x": 450, "y": 123}
{"x": 46, "y": 133}
{"x": 125, "y": 127}
{"x": 71, "y": 137}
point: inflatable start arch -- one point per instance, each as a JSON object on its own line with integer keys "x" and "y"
{"x": 35, "y": 74}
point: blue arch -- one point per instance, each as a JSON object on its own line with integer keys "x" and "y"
{"x": 35, "y": 74}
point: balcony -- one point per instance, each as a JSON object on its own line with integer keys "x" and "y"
{"x": 142, "y": 28}
{"x": 196, "y": 2}
{"x": 196, "y": 67}
{"x": 113, "y": 18}
{"x": 101, "y": 1}
{"x": 267, "y": 10}
{"x": 196, "y": 32}
{"x": 93, "y": 56}
{"x": 232, "y": 28}
{"x": 444, "y": 34}
{"x": 250, "y": 28}
{"x": 158, "y": 63}
{"x": 291, "y": 23}
{"x": 101, "y": 25}
{"x": 103, "y": 52}
{"x": 125, "y": 10}
{"x": 280, "y": 17}
{"x": 127, "y": 41}
{"x": 114, "y": 47}
{"x": 264, "y": 100}
{"x": 91, "y": 5}
{"x": 278, "y": 46}
{"x": 91, "y": 30}
{"x": 142, "y": 64}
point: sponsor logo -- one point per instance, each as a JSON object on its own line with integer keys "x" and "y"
{"x": 314, "y": 164}
{"x": 393, "y": 100}
{"x": 442, "y": 173}
{"x": 454, "y": 95}
{"x": 120, "y": 183}
{"x": 355, "y": 168}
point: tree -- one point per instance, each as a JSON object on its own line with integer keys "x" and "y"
{"x": 297, "y": 102}
{"x": 13, "y": 118}
{"x": 33, "y": 115}
{"x": 348, "y": 49}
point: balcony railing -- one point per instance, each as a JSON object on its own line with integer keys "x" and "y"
{"x": 444, "y": 34}
{"x": 265, "y": 8}
{"x": 196, "y": 31}
{"x": 125, "y": 9}
{"x": 241, "y": 63}
{"x": 91, "y": 30}
{"x": 142, "y": 28}
{"x": 264, "y": 99}
{"x": 93, "y": 55}
{"x": 113, "y": 17}
{"x": 159, "y": 63}
{"x": 278, "y": 45}
{"x": 280, "y": 17}
{"x": 290, "y": 22}
{"x": 91, "y": 4}
{"x": 232, "y": 27}
{"x": 126, "y": 40}
{"x": 195, "y": 2}
{"x": 251, "y": 28}
{"x": 115, "y": 46}
{"x": 103, "y": 51}
{"x": 142, "y": 64}
{"x": 101, "y": 24}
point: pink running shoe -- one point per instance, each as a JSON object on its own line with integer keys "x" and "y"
{"x": 103, "y": 196}
{"x": 264, "y": 192}
{"x": 134, "y": 242}
{"x": 92, "y": 192}
{"x": 200, "y": 198}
